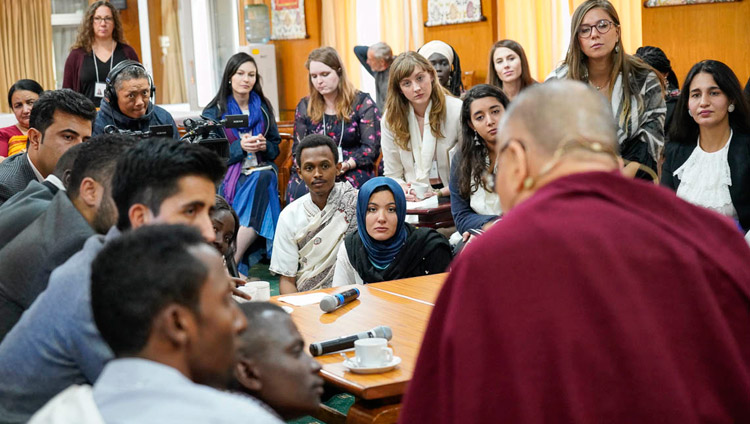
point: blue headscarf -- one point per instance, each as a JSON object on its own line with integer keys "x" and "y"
{"x": 382, "y": 253}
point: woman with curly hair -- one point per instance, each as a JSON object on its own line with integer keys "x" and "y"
{"x": 99, "y": 46}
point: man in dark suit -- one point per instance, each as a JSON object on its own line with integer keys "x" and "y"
{"x": 60, "y": 231}
{"x": 59, "y": 120}
{"x": 25, "y": 206}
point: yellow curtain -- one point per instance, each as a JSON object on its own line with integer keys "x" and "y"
{"x": 629, "y": 12}
{"x": 173, "y": 85}
{"x": 339, "y": 30}
{"x": 25, "y": 44}
{"x": 401, "y": 25}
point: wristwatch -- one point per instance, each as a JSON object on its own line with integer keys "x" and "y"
{"x": 438, "y": 192}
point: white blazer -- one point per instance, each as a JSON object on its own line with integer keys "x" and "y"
{"x": 414, "y": 166}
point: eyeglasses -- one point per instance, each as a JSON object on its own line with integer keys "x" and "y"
{"x": 602, "y": 27}
{"x": 107, "y": 19}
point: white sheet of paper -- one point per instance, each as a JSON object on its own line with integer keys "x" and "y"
{"x": 430, "y": 202}
{"x": 304, "y": 299}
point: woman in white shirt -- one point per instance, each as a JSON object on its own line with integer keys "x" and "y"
{"x": 707, "y": 159}
{"x": 420, "y": 126}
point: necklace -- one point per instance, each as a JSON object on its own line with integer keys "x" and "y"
{"x": 599, "y": 87}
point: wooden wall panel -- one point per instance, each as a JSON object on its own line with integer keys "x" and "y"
{"x": 689, "y": 34}
{"x": 155, "y": 30}
{"x": 472, "y": 41}
{"x": 130, "y": 26}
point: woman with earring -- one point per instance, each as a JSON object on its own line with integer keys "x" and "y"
{"x": 473, "y": 204}
{"x": 99, "y": 46}
{"x": 21, "y": 98}
{"x": 707, "y": 159}
{"x": 596, "y": 56}
{"x": 447, "y": 65}
{"x": 250, "y": 184}
{"x": 335, "y": 108}
{"x": 420, "y": 128}
{"x": 385, "y": 247}
{"x": 509, "y": 68}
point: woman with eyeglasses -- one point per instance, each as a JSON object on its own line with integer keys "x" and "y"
{"x": 99, "y": 46}
{"x": 474, "y": 203}
{"x": 509, "y": 68}
{"x": 420, "y": 126}
{"x": 707, "y": 159}
{"x": 596, "y": 56}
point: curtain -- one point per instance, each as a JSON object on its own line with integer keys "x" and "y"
{"x": 629, "y": 12}
{"x": 25, "y": 44}
{"x": 173, "y": 79}
{"x": 339, "y": 30}
{"x": 402, "y": 25}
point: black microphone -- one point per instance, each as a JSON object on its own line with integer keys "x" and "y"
{"x": 328, "y": 346}
{"x": 332, "y": 302}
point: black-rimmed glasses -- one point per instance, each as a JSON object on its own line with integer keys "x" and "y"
{"x": 602, "y": 27}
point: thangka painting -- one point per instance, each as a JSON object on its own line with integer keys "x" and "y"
{"x": 288, "y": 19}
{"x": 447, "y": 12}
{"x": 657, "y": 3}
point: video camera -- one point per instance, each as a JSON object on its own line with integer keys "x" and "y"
{"x": 153, "y": 131}
{"x": 211, "y": 133}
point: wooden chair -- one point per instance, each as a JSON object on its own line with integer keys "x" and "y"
{"x": 284, "y": 163}
{"x": 468, "y": 79}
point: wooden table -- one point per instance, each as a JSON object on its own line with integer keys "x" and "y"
{"x": 438, "y": 217}
{"x": 403, "y": 305}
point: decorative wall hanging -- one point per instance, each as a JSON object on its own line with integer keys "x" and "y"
{"x": 658, "y": 3}
{"x": 448, "y": 12}
{"x": 288, "y": 19}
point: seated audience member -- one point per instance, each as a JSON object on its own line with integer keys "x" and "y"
{"x": 707, "y": 161}
{"x": 572, "y": 328}
{"x": 273, "y": 364}
{"x": 377, "y": 60}
{"x": 473, "y": 204}
{"x": 226, "y": 225}
{"x": 59, "y": 120}
{"x": 127, "y": 101}
{"x": 55, "y": 343}
{"x": 336, "y": 109}
{"x": 312, "y": 227}
{"x": 656, "y": 58}
{"x": 173, "y": 327}
{"x": 385, "y": 247}
{"x": 420, "y": 127}
{"x": 250, "y": 185}
{"x": 25, "y": 206}
{"x": 509, "y": 68}
{"x": 447, "y": 65}
{"x": 21, "y": 98}
{"x": 72, "y": 216}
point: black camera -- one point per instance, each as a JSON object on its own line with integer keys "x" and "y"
{"x": 211, "y": 133}
{"x": 153, "y": 131}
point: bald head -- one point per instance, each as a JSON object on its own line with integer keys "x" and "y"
{"x": 562, "y": 111}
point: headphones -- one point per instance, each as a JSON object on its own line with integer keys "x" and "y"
{"x": 109, "y": 91}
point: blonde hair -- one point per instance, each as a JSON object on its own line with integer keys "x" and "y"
{"x": 622, "y": 63}
{"x": 346, "y": 91}
{"x": 85, "y": 37}
{"x": 397, "y": 106}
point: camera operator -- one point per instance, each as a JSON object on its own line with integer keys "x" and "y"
{"x": 127, "y": 101}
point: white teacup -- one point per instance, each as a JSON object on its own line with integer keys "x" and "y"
{"x": 372, "y": 352}
{"x": 260, "y": 291}
{"x": 420, "y": 189}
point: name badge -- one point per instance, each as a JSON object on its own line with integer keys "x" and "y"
{"x": 99, "y": 89}
{"x": 341, "y": 154}
{"x": 434, "y": 170}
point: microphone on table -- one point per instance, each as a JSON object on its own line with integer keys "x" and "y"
{"x": 347, "y": 342}
{"x": 332, "y": 302}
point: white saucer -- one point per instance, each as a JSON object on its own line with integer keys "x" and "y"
{"x": 357, "y": 369}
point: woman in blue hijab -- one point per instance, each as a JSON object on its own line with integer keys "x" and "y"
{"x": 385, "y": 247}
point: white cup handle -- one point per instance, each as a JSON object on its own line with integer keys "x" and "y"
{"x": 388, "y": 353}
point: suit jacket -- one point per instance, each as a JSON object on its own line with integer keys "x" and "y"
{"x": 28, "y": 260}
{"x": 23, "y": 208}
{"x": 739, "y": 168}
{"x": 15, "y": 174}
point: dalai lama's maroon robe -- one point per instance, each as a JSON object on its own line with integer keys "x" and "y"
{"x": 598, "y": 300}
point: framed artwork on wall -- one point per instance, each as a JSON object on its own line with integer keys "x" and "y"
{"x": 658, "y": 3}
{"x": 448, "y": 12}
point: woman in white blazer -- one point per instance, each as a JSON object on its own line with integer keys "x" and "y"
{"x": 420, "y": 127}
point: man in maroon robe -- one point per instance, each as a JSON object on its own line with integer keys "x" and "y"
{"x": 596, "y": 299}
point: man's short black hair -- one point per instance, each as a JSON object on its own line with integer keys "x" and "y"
{"x": 64, "y": 100}
{"x": 149, "y": 173}
{"x": 96, "y": 159}
{"x": 316, "y": 140}
{"x": 137, "y": 275}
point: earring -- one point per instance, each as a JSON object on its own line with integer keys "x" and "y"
{"x": 229, "y": 82}
{"x": 690, "y": 113}
{"x": 476, "y": 139}
{"x": 617, "y": 48}
{"x": 528, "y": 182}
{"x": 731, "y": 108}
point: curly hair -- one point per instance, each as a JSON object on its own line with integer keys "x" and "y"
{"x": 85, "y": 37}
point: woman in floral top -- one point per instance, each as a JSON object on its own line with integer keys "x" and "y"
{"x": 335, "y": 108}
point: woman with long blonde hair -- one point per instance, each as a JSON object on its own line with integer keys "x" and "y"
{"x": 421, "y": 126}
{"x": 99, "y": 46}
{"x": 596, "y": 56}
{"x": 335, "y": 108}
